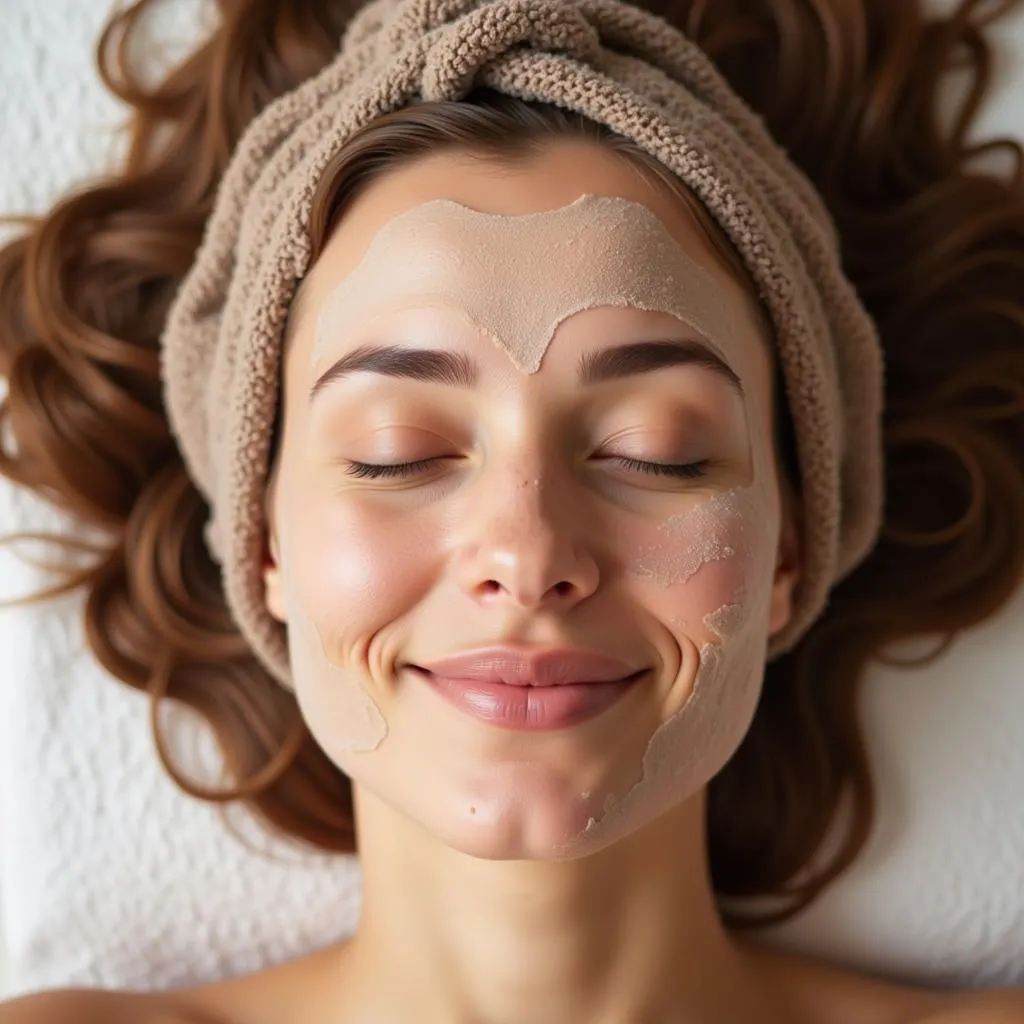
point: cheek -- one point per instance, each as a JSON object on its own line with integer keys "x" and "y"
{"x": 690, "y": 566}
{"x": 357, "y": 569}
{"x": 684, "y": 608}
{"x": 352, "y": 574}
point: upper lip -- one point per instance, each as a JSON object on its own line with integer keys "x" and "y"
{"x": 518, "y": 666}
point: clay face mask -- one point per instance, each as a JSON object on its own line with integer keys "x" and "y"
{"x": 365, "y": 725}
{"x": 516, "y": 278}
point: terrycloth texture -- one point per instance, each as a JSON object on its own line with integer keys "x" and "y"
{"x": 618, "y": 65}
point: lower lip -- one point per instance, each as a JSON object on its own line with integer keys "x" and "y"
{"x": 528, "y": 708}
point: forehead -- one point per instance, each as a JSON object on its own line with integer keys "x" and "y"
{"x": 499, "y": 271}
{"x": 519, "y": 249}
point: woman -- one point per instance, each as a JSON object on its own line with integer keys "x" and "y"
{"x": 540, "y": 479}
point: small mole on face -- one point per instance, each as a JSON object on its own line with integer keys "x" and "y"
{"x": 472, "y": 810}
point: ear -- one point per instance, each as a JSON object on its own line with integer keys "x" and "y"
{"x": 273, "y": 576}
{"x": 788, "y": 563}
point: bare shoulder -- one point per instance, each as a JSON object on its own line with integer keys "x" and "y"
{"x": 823, "y": 992}
{"x": 93, "y": 1006}
{"x": 284, "y": 992}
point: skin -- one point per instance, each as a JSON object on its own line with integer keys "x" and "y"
{"x": 491, "y": 925}
{"x": 459, "y": 821}
{"x": 673, "y": 574}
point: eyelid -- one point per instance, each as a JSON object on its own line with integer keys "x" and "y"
{"x": 386, "y": 441}
{"x": 404, "y": 470}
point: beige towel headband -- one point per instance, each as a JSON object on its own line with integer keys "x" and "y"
{"x": 617, "y": 65}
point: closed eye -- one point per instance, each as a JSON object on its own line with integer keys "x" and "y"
{"x": 373, "y": 471}
{"x": 679, "y": 469}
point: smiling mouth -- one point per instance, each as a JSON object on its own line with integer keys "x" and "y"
{"x": 529, "y": 707}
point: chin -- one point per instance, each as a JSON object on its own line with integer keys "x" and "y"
{"x": 520, "y": 828}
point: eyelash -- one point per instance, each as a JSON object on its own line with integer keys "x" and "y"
{"x": 685, "y": 470}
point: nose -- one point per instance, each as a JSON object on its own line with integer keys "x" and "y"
{"x": 525, "y": 548}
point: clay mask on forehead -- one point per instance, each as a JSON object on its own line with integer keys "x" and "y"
{"x": 508, "y": 275}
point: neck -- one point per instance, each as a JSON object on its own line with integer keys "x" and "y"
{"x": 630, "y": 933}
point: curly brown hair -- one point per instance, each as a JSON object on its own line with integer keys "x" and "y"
{"x": 933, "y": 242}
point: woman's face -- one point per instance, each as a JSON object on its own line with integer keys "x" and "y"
{"x": 573, "y": 395}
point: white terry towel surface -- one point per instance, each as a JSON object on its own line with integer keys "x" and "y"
{"x": 110, "y": 876}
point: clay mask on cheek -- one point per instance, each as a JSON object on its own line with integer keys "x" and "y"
{"x": 712, "y": 713}
{"x": 344, "y": 715}
{"x": 693, "y": 538}
{"x": 486, "y": 267}
{"x": 732, "y": 536}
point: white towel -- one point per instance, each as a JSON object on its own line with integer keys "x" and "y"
{"x": 109, "y": 876}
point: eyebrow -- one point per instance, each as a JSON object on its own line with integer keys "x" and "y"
{"x": 456, "y": 369}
